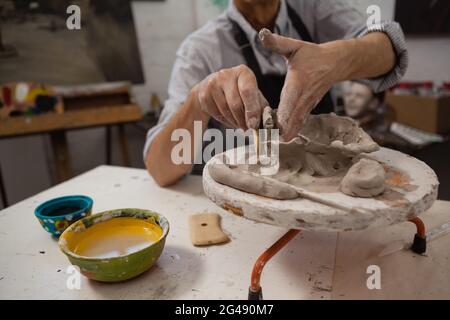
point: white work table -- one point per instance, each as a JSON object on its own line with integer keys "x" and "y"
{"x": 312, "y": 266}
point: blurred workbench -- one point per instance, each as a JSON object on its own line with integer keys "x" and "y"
{"x": 312, "y": 266}
{"x": 83, "y": 109}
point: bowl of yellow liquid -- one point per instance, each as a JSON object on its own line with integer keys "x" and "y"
{"x": 115, "y": 245}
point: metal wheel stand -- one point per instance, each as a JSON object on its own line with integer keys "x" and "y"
{"x": 419, "y": 246}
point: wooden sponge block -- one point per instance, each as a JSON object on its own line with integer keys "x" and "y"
{"x": 205, "y": 229}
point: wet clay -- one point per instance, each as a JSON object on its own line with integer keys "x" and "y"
{"x": 317, "y": 160}
{"x": 364, "y": 179}
{"x": 250, "y": 182}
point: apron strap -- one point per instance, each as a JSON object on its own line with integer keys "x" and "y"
{"x": 298, "y": 24}
{"x": 246, "y": 48}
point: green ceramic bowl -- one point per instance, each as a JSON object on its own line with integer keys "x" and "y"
{"x": 122, "y": 267}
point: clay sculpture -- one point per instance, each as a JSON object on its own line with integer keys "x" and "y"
{"x": 325, "y": 157}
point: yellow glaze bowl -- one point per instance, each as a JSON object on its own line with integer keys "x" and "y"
{"x": 115, "y": 245}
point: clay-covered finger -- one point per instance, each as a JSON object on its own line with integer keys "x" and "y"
{"x": 208, "y": 105}
{"x": 249, "y": 92}
{"x": 276, "y": 43}
{"x": 298, "y": 117}
{"x": 289, "y": 101}
{"x": 222, "y": 105}
{"x": 235, "y": 104}
{"x": 307, "y": 101}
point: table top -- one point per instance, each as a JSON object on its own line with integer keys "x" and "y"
{"x": 74, "y": 119}
{"x": 315, "y": 265}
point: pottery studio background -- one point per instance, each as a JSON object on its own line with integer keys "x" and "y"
{"x": 153, "y": 32}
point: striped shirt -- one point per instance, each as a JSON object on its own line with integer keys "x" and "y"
{"x": 212, "y": 47}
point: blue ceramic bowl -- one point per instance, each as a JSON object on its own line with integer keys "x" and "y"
{"x": 57, "y": 214}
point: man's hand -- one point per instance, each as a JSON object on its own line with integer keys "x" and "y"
{"x": 314, "y": 68}
{"x": 231, "y": 96}
{"x": 311, "y": 71}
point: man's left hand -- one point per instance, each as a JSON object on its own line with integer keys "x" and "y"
{"x": 311, "y": 71}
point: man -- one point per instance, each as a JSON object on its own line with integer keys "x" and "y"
{"x": 227, "y": 72}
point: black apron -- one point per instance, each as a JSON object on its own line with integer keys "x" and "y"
{"x": 269, "y": 85}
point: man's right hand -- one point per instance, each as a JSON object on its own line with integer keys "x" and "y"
{"x": 231, "y": 96}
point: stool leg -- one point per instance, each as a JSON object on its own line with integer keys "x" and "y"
{"x": 255, "y": 290}
{"x": 61, "y": 155}
{"x": 419, "y": 245}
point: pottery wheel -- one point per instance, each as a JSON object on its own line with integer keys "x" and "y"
{"x": 411, "y": 189}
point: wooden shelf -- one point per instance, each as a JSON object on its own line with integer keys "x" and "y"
{"x": 75, "y": 119}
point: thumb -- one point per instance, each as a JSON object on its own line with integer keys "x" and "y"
{"x": 279, "y": 44}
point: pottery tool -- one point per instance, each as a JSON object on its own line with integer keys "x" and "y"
{"x": 316, "y": 197}
{"x": 268, "y": 117}
{"x": 433, "y": 234}
{"x": 256, "y": 144}
{"x": 312, "y": 196}
{"x": 269, "y": 123}
{"x": 205, "y": 229}
{"x": 438, "y": 232}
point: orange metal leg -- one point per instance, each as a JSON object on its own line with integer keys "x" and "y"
{"x": 420, "y": 239}
{"x": 255, "y": 291}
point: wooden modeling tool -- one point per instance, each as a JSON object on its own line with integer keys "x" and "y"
{"x": 269, "y": 123}
{"x": 256, "y": 143}
{"x": 205, "y": 229}
{"x": 312, "y": 196}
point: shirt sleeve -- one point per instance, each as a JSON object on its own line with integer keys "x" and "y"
{"x": 338, "y": 20}
{"x": 190, "y": 68}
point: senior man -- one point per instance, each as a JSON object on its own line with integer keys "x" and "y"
{"x": 282, "y": 53}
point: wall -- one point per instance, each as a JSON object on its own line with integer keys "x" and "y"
{"x": 161, "y": 27}
{"x": 428, "y": 59}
